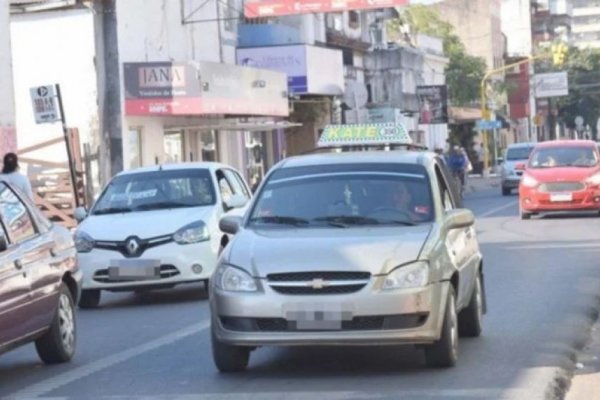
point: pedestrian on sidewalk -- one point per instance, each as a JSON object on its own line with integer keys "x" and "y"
{"x": 10, "y": 173}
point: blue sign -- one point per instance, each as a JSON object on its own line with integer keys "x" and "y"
{"x": 483, "y": 125}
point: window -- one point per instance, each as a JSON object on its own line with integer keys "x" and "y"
{"x": 236, "y": 183}
{"x": 208, "y": 141}
{"x": 157, "y": 190}
{"x": 173, "y": 143}
{"x": 354, "y": 20}
{"x": 225, "y": 187}
{"x": 230, "y": 15}
{"x": 447, "y": 202}
{"x": 15, "y": 216}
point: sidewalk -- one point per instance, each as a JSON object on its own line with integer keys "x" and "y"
{"x": 586, "y": 381}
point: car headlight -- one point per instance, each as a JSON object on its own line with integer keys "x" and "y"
{"x": 233, "y": 279}
{"x": 529, "y": 181}
{"x": 192, "y": 233}
{"x": 408, "y": 276}
{"x": 83, "y": 242}
{"x": 594, "y": 180}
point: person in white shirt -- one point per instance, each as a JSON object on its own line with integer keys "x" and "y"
{"x": 10, "y": 173}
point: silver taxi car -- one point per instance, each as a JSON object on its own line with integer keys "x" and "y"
{"x": 351, "y": 248}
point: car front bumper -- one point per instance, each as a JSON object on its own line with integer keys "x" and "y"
{"x": 511, "y": 182}
{"x": 373, "y": 317}
{"x": 176, "y": 266}
{"x": 532, "y": 200}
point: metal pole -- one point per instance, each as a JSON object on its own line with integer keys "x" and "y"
{"x": 495, "y": 149}
{"x": 68, "y": 145}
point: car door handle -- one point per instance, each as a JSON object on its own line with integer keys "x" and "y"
{"x": 18, "y": 264}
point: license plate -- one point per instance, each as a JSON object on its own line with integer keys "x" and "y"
{"x": 134, "y": 269}
{"x": 317, "y": 317}
{"x": 561, "y": 197}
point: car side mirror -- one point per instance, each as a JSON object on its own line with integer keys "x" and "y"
{"x": 80, "y": 214}
{"x": 460, "y": 218}
{"x": 236, "y": 201}
{"x": 3, "y": 243}
{"x": 230, "y": 224}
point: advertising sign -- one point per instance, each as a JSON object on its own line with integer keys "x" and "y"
{"x": 290, "y": 60}
{"x": 554, "y": 84}
{"x": 274, "y": 8}
{"x": 364, "y": 134}
{"x": 433, "y": 104}
{"x": 203, "y": 88}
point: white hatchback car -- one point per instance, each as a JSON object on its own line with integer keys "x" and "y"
{"x": 156, "y": 227}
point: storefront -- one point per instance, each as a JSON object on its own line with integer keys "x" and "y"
{"x": 187, "y": 112}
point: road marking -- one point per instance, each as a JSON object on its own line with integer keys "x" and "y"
{"x": 46, "y": 386}
{"x": 495, "y": 210}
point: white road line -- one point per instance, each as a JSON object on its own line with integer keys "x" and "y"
{"x": 46, "y": 386}
{"x": 495, "y": 210}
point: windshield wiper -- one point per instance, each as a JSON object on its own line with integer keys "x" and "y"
{"x": 397, "y": 222}
{"x": 162, "y": 205}
{"x": 280, "y": 219}
{"x": 345, "y": 220}
{"x": 113, "y": 210}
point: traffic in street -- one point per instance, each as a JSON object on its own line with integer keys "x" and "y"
{"x": 541, "y": 281}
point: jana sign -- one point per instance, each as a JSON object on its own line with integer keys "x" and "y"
{"x": 553, "y": 84}
{"x": 364, "y": 134}
{"x": 44, "y": 104}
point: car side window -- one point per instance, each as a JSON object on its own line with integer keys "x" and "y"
{"x": 15, "y": 215}
{"x": 447, "y": 202}
{"x": 224, "y": 186}
{"x": 236, "y": 182}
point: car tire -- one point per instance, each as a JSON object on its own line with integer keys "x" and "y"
{"x": 471, "y": 318}
{"x": 444, "y": 352}
{"x": 229, "y": 358}
{"x": 89, "y": 299}
{"x": 506, "y": 191}
{"x": 525, "y": 215}
{"x": 57, "y": 345}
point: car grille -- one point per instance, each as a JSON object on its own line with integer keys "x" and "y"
{"x": 366, "y": 323}
{"x": 143, "y": 245}
{"x": 318, "y": 282}
{"x": 561, "y": 187}
{"x": 166, "y": 271}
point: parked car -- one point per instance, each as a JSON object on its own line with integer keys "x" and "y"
{"x": 367, "y": 248}
{"x": 39, "y": 280}
{"x": 156, "y": 227}
{"x": 561, "y": 176}
{"x": 516, "y": 157}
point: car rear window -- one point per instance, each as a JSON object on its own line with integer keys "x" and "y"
{"x": 518, "y": 153}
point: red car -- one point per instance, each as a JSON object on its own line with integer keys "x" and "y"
{"x": 561, "y": 176}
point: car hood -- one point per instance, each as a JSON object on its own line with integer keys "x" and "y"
{"x": 562, "y": 174}
{"x": 143, "y": 224}
{"x": 376, "y": 250}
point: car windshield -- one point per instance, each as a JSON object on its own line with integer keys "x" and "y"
{"x": 345, "y": 195}
{"x": 157, "y": 190}
{"x": 518, "y": 153}
{"x": 571, "y": 156}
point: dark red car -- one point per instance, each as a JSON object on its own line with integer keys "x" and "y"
{"x": 39, "y": 280}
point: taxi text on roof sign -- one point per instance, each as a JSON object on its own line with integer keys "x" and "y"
{"x": 364, "y": 134}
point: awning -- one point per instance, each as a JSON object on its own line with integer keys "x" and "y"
{"x": 248, "y": 126}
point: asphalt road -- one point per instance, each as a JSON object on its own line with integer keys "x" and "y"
{"x": 542, "y": 280}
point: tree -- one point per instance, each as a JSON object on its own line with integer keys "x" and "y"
{"x": 583, "y": 67}
{"x": 464, "y": 72}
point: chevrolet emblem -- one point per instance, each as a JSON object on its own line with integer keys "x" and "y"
{"x": 318, "y": 284}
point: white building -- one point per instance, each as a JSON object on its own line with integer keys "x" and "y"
{"x": 516, "y": 26}
{"x": 7, "y": 107}
{"x": 586, "y": 23}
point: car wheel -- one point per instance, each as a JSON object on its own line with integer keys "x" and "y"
{"x": 470, "y": 319}
{"x": 506, "y": 191}
{"x": 229, "y": 358}
{"x": 444, "y": 352}
{"x": 58, "y": 343}
{"x": 89, "y": 298}
{"x": 525, "y": 215}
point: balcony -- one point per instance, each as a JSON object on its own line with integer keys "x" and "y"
{"x": 258, "y": 35}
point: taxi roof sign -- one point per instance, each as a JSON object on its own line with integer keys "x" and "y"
{"x": 364, "y": 134}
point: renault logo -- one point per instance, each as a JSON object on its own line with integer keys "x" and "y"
{"x": 132, "y": 246}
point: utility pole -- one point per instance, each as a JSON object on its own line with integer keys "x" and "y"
{"x": 111, "y": 125}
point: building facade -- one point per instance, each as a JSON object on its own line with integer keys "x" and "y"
{"x": 8, "y": 139}
{"x": 586, "y": 23}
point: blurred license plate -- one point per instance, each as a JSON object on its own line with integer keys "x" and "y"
{"x": 134, "y": 269}
{"x": 558, "y": 197}
{"x": 317, "y": 317}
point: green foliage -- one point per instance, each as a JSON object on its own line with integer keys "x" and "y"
{"x": 583, "y": 67}
{"x": 464, "y": 72}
